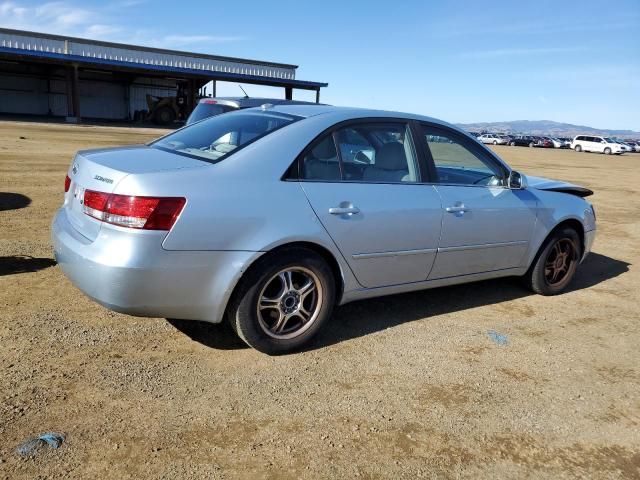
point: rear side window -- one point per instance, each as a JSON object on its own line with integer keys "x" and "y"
{"x": 215, "y": 138}
{"x": 367, "y": 152}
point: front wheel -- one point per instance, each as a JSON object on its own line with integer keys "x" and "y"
{"x": 607, "y": 151}
{"x": 578, "y": 148}
{"x": 556, "y": 263}
{"x": 283, "y": 301}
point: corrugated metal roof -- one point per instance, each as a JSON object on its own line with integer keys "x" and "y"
{"x": 80, "y": 48}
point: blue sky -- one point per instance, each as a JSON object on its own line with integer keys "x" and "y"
{"x": 570, "y": 61}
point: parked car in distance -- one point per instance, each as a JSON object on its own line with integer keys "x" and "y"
{"x": 559, "y": 142}
{"x": 626, "y": 147}
{"x": 522, "y": 141}
{"x": 269, "y": 217}
{"x": 635, "y": 145}
{"x": 588, "y": 143}
{"x": 493, "y": 139}
{"x": 208, "y": 107}
{"x": 545, "y": 142}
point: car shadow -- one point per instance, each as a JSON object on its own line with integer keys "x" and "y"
{"x": 373, "y": 315}
{"x": 13, "y": 201}
{"x": 369, "y": 316}
{"x": 23, "y": 264}
{"x": 213, "y": 335}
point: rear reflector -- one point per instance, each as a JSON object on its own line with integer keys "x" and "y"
{"x": 148, "y": 213}
{"x": 67, "y": 183}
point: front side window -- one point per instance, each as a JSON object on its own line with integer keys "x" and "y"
{"x": 368, "y": 152}
{"x": 455, "y": 163}
{"x": 217, "y": 137}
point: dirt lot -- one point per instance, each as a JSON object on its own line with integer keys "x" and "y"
{"x": 409, "y": 386}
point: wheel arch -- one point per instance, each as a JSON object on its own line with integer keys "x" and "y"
{"x": 322, "y": 251}
{"x": 572, "y": 223}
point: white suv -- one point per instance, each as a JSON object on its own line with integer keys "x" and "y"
{"x": 585, "y": 143}
{"x": 492, "y": 139}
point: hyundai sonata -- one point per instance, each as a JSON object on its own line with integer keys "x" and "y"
{"x": 270, "y": 217}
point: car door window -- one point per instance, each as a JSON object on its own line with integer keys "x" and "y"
{"x": 367, "y": 152}
{"x": 457, "y": 163}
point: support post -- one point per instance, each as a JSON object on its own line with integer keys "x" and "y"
{"x": 288, "y": 93}
{"x": 213, "y": 83}
{"x": 318, "y": 95}
{"x": 73, "y": 95}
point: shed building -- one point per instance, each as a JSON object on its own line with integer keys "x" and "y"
{"x": 44, "y": 74}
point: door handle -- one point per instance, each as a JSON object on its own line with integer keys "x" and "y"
{"x": 457, "y": 209}
{"x": 344, "y": 210}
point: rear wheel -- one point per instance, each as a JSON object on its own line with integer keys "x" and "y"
{"x": 607, "y": 151}
{"x": 283, "y": 301}
{"x": 578, "y": 148}
{"x": 164, "y": 116}
{"x": 556, "y": 263}
{"x": 495, "y": 142}
{"x": 531, "y": 144}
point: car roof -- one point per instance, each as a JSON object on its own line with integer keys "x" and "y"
{"x": 348, "y": 113}
{"x": 247, "y": 102}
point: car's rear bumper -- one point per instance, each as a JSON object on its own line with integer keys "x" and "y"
{"x": 129, "y": 272}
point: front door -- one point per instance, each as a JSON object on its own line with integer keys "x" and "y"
{"x": 485, "y": 226}
{"x": 384, "y": 222}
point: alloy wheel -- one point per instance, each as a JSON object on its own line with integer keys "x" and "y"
{"x": 289, "y": 302}
{"x": 560, "y": 263}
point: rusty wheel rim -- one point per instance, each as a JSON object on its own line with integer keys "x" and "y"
{"x": 560, "y": 263}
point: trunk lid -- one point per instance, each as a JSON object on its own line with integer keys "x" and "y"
{"x": 102, "y": 169}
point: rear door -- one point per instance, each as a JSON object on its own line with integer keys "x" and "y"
{"x": 383, "y": 220}
{"x": 485, "y": 226}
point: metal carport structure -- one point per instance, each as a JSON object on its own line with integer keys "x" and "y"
{"x": 45, "y": 74}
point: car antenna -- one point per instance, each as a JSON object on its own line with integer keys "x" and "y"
{"x": 245, "y": 93}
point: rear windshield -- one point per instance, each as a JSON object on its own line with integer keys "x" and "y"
{"x": 204, "y": 110}
{"x": 217, "y": 137}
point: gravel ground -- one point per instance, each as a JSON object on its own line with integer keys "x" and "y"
{"x": 408, "y": 386}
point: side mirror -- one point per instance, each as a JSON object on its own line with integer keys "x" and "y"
{"x": 517, "y": 181}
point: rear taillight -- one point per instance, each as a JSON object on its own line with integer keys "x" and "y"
{"x": 148, "y": 213}
{"x": 67, "y": 183}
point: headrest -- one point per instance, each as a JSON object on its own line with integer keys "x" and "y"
{"x": 325, "y": 149}
{"x": 391, "y": 156}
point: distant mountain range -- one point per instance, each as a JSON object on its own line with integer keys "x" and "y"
{"x": 544, "y": 127}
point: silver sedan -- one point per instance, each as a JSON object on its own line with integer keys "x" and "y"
{"x": 271, "y": 217}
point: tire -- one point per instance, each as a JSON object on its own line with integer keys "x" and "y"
{"x": 545, "y": 276}
{"x": 164, "y": 116}
{"x": 495, "y": 142}
{"x": 513, "y": 144}
{"x": 267, "y": 295}
{"x": 578, "y": 148}
{"x": 531, "y": 145}
{"x": 607, "y": 151}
